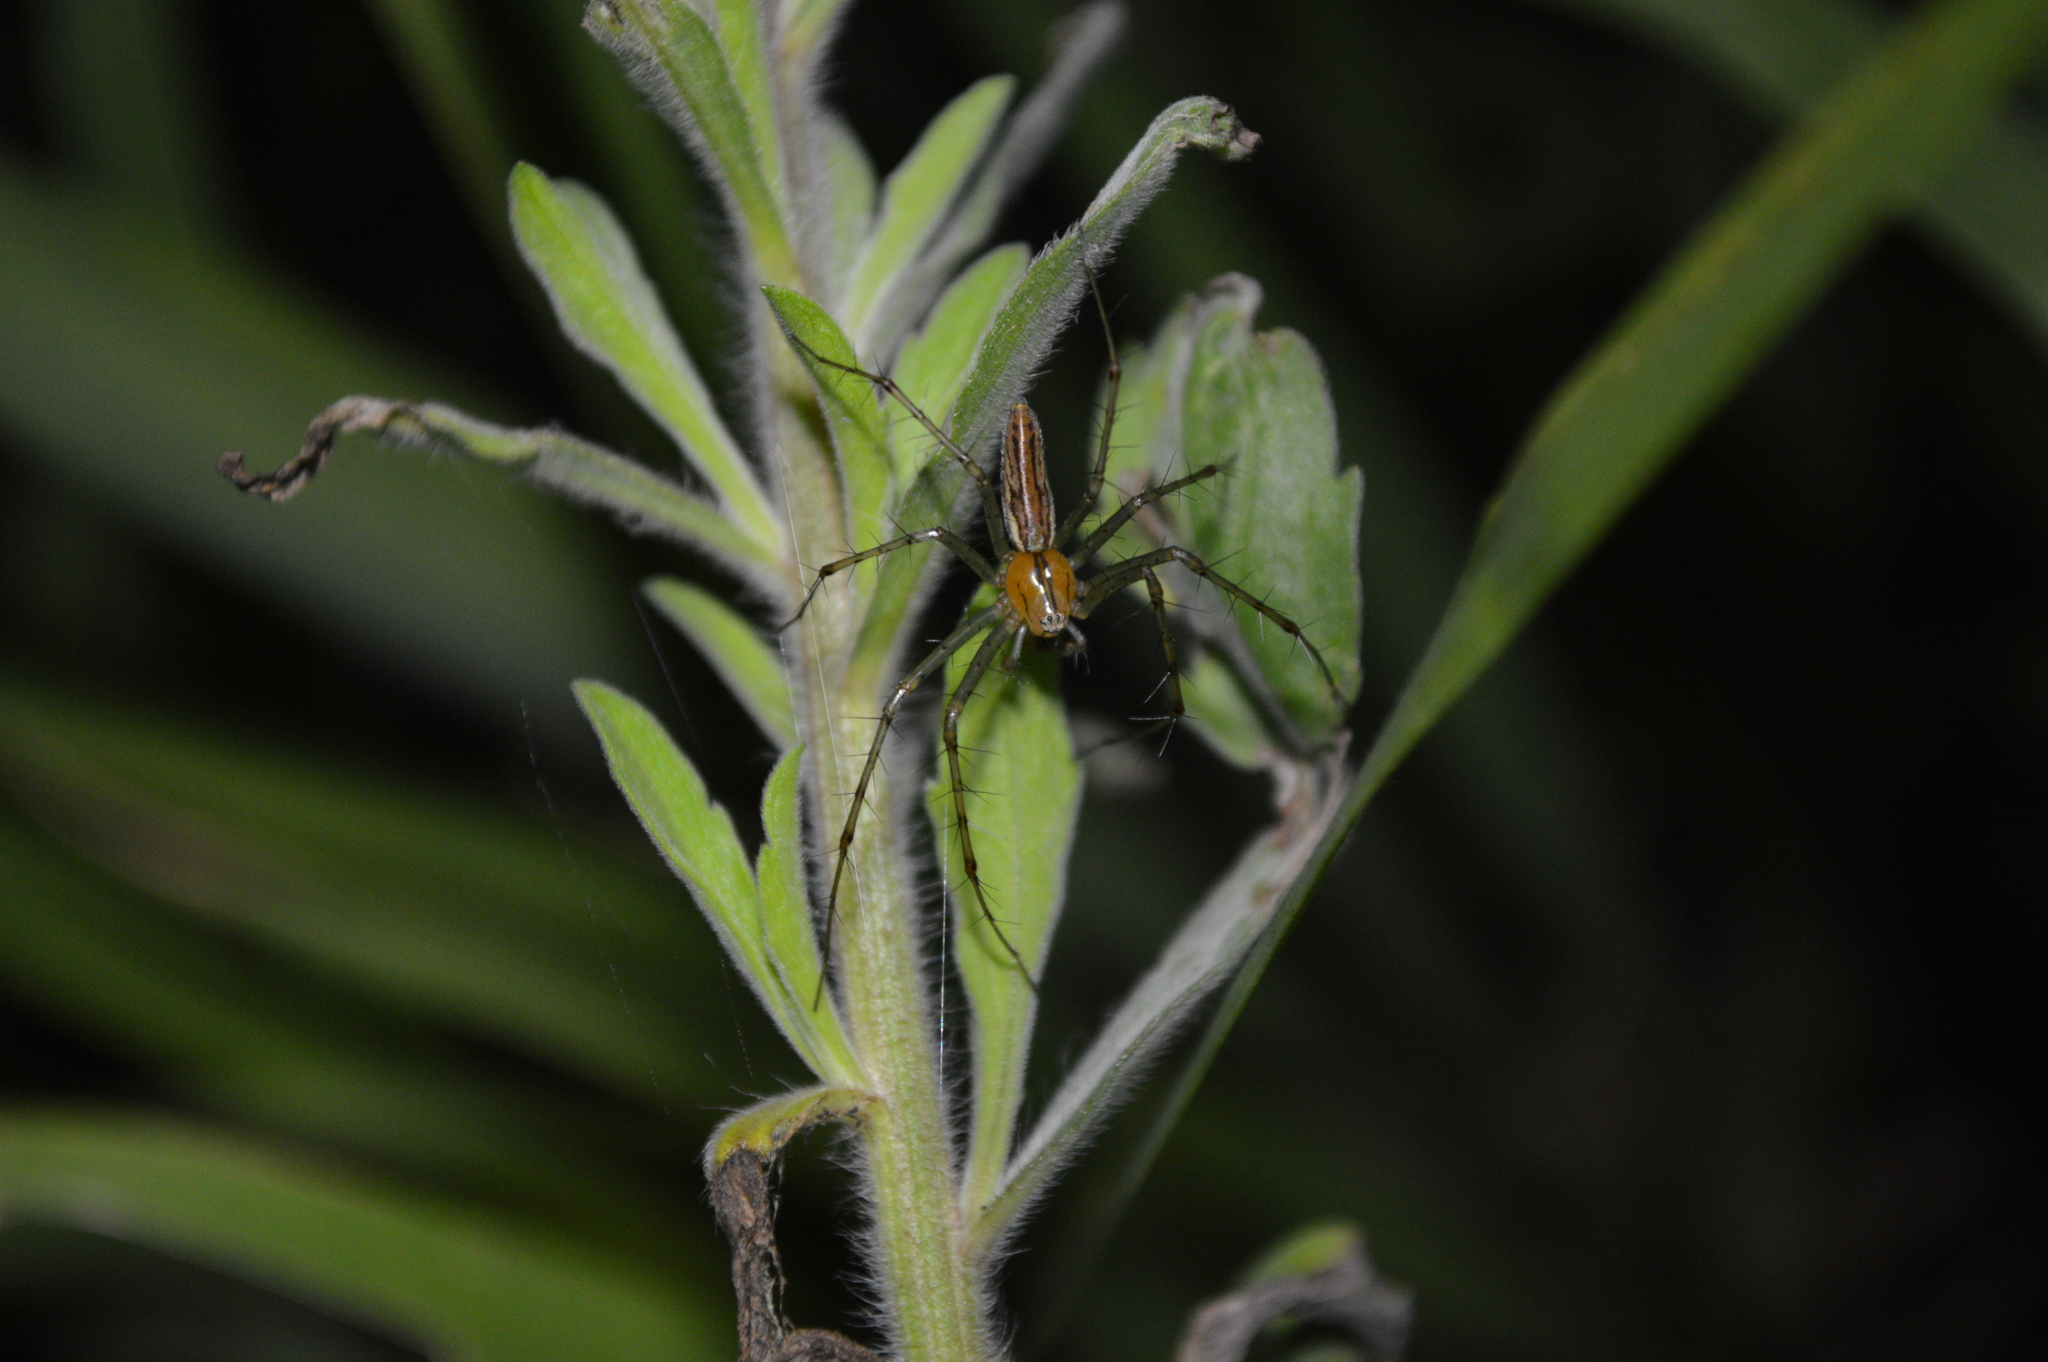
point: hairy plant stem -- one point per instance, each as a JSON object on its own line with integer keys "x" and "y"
{"x": 933, "y": 1296}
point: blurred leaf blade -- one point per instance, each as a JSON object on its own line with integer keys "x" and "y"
{"x": 436, "y": 1271}
{"x": 1688, "y": 341}
{"x": 1984, "y": 207}
{"x": 457, "y": 918}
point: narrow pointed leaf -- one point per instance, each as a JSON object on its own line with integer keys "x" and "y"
{"x": 1089, "y": 35}
{"x": 768, "y": 1125}
{"x": 696, "y": 838}
{"x": 1041, "y": 305}
{"x": 673, "y": 56}
{"x": 853, "y": 414}
{"x": 570, "y": 467}
{"x": 742, "y": 40}
{"x": 606, "y": 304}
{"x": 744, "y": 659}
{"x": 915, "y": 198}
{"x": 851, "y": 178}
{"x": 445, "y": 1274}
{"x": 1984, "y": 207}
{"x": 1691, "y": 338}
{"x": 789, "y": 928}
{"x": 1023, "y": 800}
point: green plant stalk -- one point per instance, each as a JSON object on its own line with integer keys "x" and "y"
{"x": 934, "y": 1297}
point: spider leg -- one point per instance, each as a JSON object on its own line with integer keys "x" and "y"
{"x": 1085, "y": 507}
{"x": 1099, "y": 536}
{"x": 983, "y": 660}
{"x": 1176, "y": 709}
{"x": 1128, "y": 571}
{"x": 953, "y": 643}
{"x": 961, "y": 549}
{"x": 990, "y": 510}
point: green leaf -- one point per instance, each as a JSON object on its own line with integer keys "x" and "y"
{"x": 1282, "y": 520}
{"x": 673, "y": 56}
{"x": 572, "y": 468}
{"x": 1689, "y": 340}
{"x": 745, "y": 660}
{"x": 853, "y": 414}
{"x": 1023, "y": 799}
{"x": 741, "y": 38}
{"x": 581, "y": 254}
{"x": 915, "y": 198}
{"x": 852, "y": 179}
{"x": 934, "y": 362}
{"x": 696, "y": 838}
{"x": 1223, "y": 714}
{"x": 438, "y": 1271}
{"x": 789, "y": 928}
{"x": 1984, "y": 207}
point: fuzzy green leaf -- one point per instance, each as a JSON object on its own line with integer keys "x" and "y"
{"x": 1040, "y": 306}
{"x": 606, "y": 304}
{"x": 438, "y": 1271}
{"x": 570, "y": 467}
{"x": 1207, "y": 950}
{"x": 851, "y": 176}
{"x": 1283, "y": 519}
{"x": 853, "y": 414}
{"x": 748, "y": 664}
{"x": 695, "y": 836}
{"x": 915, "y": 198}
{"x": 1226, "y": 718}
{"x": 1023, "y": 799}
{"x": 790, "y": 931}
{"x": 672, "y": 54}
{"x": 773, "y": 1122}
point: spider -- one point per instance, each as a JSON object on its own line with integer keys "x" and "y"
{"x": 1040, "y": 592}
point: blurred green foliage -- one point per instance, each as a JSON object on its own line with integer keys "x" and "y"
{"x": 1673, "y": 1002}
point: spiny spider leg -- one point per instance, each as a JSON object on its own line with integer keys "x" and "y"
{"x": 961, "y": 548}
{"x": 1086, "y": 506}
{"x": 989, "y": 509}
{"x": 1177, "y": 711}
{"x": 954, "y": 642}
{"x": 951, "y": 729}
{"x": 1099, "y": 536}
{"x": 1128, "y": 571}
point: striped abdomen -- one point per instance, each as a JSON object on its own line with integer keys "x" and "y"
{"x": 1027, "y": 497}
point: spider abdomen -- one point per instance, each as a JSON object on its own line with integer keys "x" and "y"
{"x": 1027, "y": 496}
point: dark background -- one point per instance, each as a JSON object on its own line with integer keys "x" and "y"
{"x": 1671, "y": 1003}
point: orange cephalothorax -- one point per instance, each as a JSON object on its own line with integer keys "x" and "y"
{"x": 1040, "y": 588}
{"x": 1027, "y": 496}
